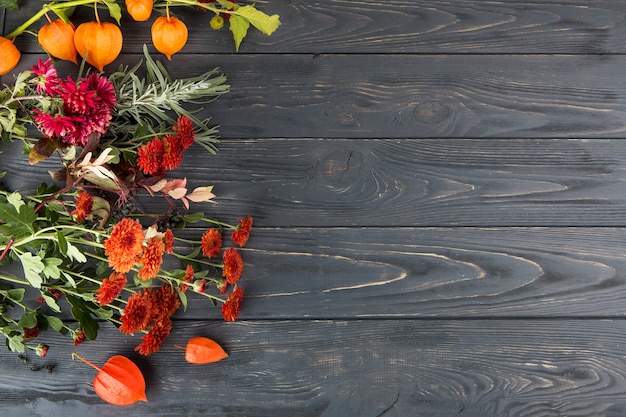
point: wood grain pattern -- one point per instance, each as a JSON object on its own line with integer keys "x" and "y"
{"x": 401, "y": 26}
{"x": 408, "y": 182}
{"x": 413, "y": 96}
{"x": 348, "y": 368}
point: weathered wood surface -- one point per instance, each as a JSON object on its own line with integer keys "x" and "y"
{"x": 438, "y": 189}
{"x": 364, "y": 368}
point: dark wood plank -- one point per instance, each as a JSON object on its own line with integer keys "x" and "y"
{"x": 400, "y": 26}
{"x": 412, "y": 96}
{"x": 348, "y": 368}
{"x": 313, "y": 273}
{"x": 409, "y": 182}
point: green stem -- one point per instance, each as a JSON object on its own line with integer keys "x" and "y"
{"x": 46, "y": 8}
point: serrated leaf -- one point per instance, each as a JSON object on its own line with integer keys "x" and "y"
{"x": 239, "y": 27}
{"x": 15, "y": 199}
{"x": 74, "y": 254}
{"x": 55, "y": 323}
{"x": 51, "y": 269}
{"x": 17, "y": 222}
{"x": 15, "y": 343}
{"x": 33, "y": 266}
{"x": 262, "y": 21}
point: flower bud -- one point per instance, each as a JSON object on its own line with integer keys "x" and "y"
{"x": 42, "y": 350}
{"x": 217, "y": 22}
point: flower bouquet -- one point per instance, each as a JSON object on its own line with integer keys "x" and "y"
{"x": 82, "y": 242}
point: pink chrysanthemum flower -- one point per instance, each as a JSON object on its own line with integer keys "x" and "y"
{"x": 47, "y": 79}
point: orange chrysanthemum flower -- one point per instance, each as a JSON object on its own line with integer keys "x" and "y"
{"x": 167, "y": 300}
{"x": 233, "y": 266}
{"x": 124, "y": 245}
{"x": 150, "y": 157}
{"x": 232, "y": 306}
{"x": 211, "y": 242}
{"x": 172, "y": 152}
{"x": 153, "y": 340}
{"x": 184, "y": 128}
{"x": 189, "y": 276}
{"x": 84, "y": 205}
{"x": 110, "y": 288}
{"x": 139, "y": 312}
{"x": 152, "y": 259}
{"x": 168, "y": 239}
{"x": 242, "y": 233}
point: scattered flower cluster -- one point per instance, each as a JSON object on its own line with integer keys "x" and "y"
{"x": 87, "y": 240}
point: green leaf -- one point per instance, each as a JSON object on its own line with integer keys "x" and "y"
{"x": 114, "y": 10}
{"x": 194, "y": 217}
{"x": 33, "y": 267}
{"x": 55, "y": 323}
{"x": 15, "y": 199}
{"x": 15, "y": 294}
{"x": 62, "y": 243}
{"x": 68, "y": 278}
{"x": 52, "y": 303}
{"x": 16, "y": 343}
{"x": 74, "y": 254}
{"x": 183, "y": 299}
{"x": 239, "y": 27}
{"x": 81, "y": 313}
{"x": 12, "y": 5}
{"x": 28, "y": 320}
{"x": 51, "y": 269}
{"x": 265, "y": 23}
{"x": 18, "y": 222}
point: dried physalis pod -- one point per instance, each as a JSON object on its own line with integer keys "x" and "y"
{"x": 200, "y": 350}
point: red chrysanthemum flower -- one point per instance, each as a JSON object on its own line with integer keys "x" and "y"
{"x": 172, "y": 152}
{"x": 211, "y": 242}
{"x": 124, "y": 245}
{"x": 103, "y": 89}
{"x": 242, "y": 233}
{"x": 84, "y": 205}
{"x": 188, "y": 278}
{"x": 139, "y": 312}
{"x": 152, "y": 259}
{"x": 110, "y": 288}
{"x": 168, "y": 240}
{"x": 232, "y": 306}
{"x": 233, "y": 266}
{"x": 185, "y": 133}
{"x": 167, "y": 300}
{"x": 77, "y": 98}
{"x": 153, "y": 340}
{"x": 31, "y": 333}
{"x": 54, "y": 125}
{"x": 150, "y": 157}
{"x": 47, "y": 79}
{"x": 79, "y": 338}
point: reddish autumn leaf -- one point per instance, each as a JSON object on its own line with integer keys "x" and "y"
{"x": 119, "y": 381}
{"x": 201, "y": 350}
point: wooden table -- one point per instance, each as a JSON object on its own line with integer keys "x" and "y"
{"x": 439, "y": 194}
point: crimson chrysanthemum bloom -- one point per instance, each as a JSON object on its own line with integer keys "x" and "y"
{"x": 77, "y": 97}
{"x": 79, "y": 338}
{"x": 167, "y": 300}
{"x": 54, "y": 125}
{"x": 103, "y": 89}
{"x": 153, "y": 340}
{"x": 139, "y": 312}
{"x": 168, "y": 240}
{"x": 124, "y": 245}
{"x": 110, "y": 288}
{"x": 150, "y": 157}
{"x": 188, "y": 278}
{"x": 185, "y": 133}
{"x": 84, "y": 205}
{"x": 152, "y": 258}
{"x": 233, "y": 266}
{"x": 31, "y": 333}
{"x": 47, "y": 79}
{"x": 232, "y": 306}
{"x": 242, "y": 232}
{"x": 211, "y": 242}
{"x": 172, "y": 152}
